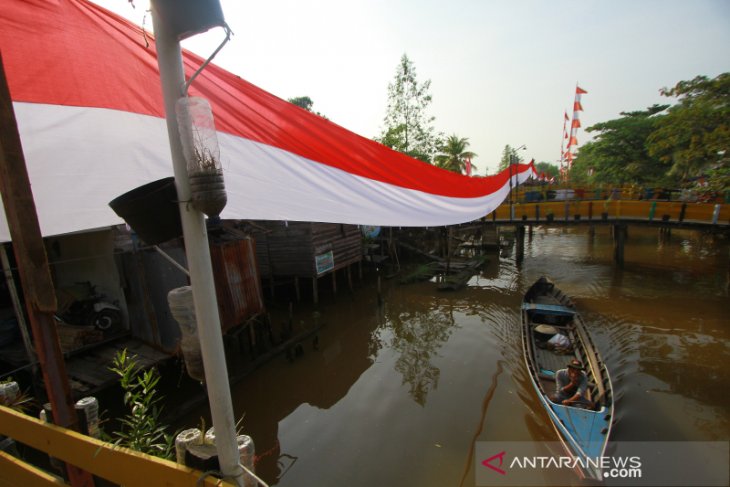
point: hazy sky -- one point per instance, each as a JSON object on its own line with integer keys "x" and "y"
{"x": 502, "y": 72}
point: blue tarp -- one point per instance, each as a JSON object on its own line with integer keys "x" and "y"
{"x": 553, "y": 309}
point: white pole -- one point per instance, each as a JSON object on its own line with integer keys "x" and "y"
{"x": 169, "y": 59}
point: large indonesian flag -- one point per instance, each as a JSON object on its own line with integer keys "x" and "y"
{"x": 88, "y": 101}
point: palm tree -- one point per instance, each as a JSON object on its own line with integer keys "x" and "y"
{"x": 453, "y": 155}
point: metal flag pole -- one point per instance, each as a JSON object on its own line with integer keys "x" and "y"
{"x": 172, "y": 75}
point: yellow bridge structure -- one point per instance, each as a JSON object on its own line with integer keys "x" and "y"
{"x": 660, "y": 213}
{"x": 713, "y": 217}
{"x": 121, "y": 466}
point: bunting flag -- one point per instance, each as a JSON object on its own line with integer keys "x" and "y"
{"x": 467, "y": 168}
{"x": 86, "y": 93}
{"x": 574, "y": 126}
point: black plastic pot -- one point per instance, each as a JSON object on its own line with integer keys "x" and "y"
{"x": 151, "y": 210}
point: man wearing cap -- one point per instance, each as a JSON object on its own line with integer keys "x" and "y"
{"x": 571, "y": 384}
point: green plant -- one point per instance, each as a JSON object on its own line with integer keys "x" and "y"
{"x": 141, "y": 428}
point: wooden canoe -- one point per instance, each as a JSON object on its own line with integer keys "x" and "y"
{"x": 583, "y": 430}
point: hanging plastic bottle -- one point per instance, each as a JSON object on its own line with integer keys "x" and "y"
{"x": 202, "y": 154}
{"x": 182, "y": 308}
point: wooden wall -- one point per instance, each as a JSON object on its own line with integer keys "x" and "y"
{"x": 289, "y": 249}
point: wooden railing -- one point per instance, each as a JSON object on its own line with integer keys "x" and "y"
{"x": 671, "y": 212}
{"x": 116, "y": 464}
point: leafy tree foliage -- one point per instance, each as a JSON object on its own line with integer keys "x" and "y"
{"x": 665, "y": 145}
{"x": 550, "y": 170}
{"x": 302, "y": 102}
{"x": 619, "y": 152}
{"x": 306, "y": 103}
{"x": 694, "y": 136}
{"x": 408, "y": 127}
{"x": 453, "y": 154}
{"x": 509, "y": 154}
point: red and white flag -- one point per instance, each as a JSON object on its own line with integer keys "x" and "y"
{"x": 87, "y": 97}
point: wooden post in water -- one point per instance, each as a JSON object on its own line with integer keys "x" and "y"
{"x": 35, "y": 274}
{"x": 520, "y": 243}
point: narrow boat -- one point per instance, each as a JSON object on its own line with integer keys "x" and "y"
{"x": 583, "y": 427}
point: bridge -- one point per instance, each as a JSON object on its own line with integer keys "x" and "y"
{"x": 619, "y": 213}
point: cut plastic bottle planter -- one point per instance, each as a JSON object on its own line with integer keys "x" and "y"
{"x": 200, "y": 147}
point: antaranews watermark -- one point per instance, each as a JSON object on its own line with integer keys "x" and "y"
{"x": 625, "y": 463}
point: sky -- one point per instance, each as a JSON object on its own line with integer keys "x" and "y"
{"x": 502, "y": 72}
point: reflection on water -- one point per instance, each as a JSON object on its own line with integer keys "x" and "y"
{"x": 398, "y": 394}
{"x": 416, "y": 332}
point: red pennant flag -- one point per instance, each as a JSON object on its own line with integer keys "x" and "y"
{"x": 575, "y": 124}
{"x": 577, "y": 107}
{"x": 580, "y": 91}
{"x": 566, "y": 116}
{"x": 467, "y": 167}
{"x": 573, "y": 141}
{"x": 566, "y": 135}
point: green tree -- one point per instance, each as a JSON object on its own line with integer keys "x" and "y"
{"x": 619, "y": 153}
{"x": 453, "y": 154}
{"x": 407, "y": 126}
{"x": 302, "y": 102}
{"x": 306, "y": 103}
{"x": 550, "y": 170}
{"x": 694, "y": 136}
{"x": 509, "y": 155}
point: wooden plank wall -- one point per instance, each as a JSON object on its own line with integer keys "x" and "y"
{"x": 289, "y": 250}
{"x": 345, "y": 241}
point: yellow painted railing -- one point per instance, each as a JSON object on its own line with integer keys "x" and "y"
{"x": 671, "y": 211}
{"x": 116, "y": 464}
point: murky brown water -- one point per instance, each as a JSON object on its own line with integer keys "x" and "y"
{"x": 397, "y": 395}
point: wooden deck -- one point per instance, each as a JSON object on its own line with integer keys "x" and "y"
{"x": 88, "y": 370}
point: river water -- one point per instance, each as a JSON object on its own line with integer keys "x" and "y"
{"x": 398, "y": 394}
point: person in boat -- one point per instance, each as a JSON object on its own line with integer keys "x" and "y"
{"x": 558, "y": 341}
{"x": 571, "y": 385}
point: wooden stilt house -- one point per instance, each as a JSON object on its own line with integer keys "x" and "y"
{"x": 305, "y": 250}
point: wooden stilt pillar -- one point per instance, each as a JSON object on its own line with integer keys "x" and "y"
{"x": 520, "y": 243}
{"x": 334, "y": 281}
{"x": 297, "y": 291}
{"x": 315, "y": 290}
{"x": 35, "y": 274}
{"x": 349, "y": 276}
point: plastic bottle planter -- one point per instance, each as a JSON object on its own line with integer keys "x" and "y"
{"x": 182, "y": 309}
{"x": 200, "y": 147}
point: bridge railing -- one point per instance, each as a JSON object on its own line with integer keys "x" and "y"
{"x": 116, "y": 464}
{"x": 670, "y": 211}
